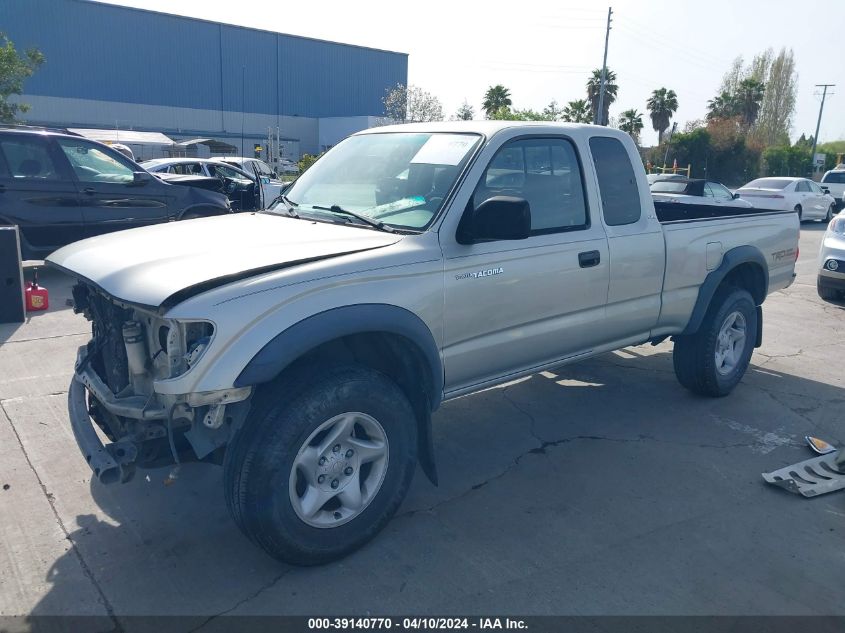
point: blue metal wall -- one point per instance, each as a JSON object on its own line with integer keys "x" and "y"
{"x": 109, "y": 53}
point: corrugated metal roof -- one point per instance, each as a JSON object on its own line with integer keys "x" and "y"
{"x": 123, "y": 136}
{"x": 111, "y": 53}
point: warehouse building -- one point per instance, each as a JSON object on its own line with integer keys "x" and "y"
{"x": 170, "y": 85}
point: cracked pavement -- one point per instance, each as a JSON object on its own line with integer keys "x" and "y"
{"x": 596, "y": 488}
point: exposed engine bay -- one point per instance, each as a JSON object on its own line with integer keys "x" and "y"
{"x": 130, "y": 351}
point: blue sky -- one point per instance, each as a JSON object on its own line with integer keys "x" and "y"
{"x": 457, "y": 49}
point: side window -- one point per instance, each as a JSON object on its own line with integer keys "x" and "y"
{"x": 546, "y": 173}
{"x": 708, "y": 191}
{"x": 802, "y": 187}
{"x": 720, "y": 191}
{"x": 92, "y": 163}
{"x": 29, "y": 158}
{"x": 620, "y": 195}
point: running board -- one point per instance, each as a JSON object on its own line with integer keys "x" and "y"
{"x": 810, "y": 478}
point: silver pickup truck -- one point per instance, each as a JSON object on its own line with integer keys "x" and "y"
{"x": 306, "y": 347}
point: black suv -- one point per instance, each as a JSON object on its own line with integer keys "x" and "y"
{"x": 59, "y": 188}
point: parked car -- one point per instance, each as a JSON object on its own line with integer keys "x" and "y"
{"x": 696, "y": 191}
{"x": 834, "y": 181}
{"x": 241, "y": 188}
{"x": 831, "y": 280}
{"x": 801, "y": 195}
{"x": 409, "y": 265}
{"x": 270, "y": 184}
{"x": 652, "y": 178}
{"x": 59, "y": 188}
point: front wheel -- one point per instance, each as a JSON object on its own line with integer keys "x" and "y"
{"x": 321, "y": 464}
{"x": 799, "y": 211}
{"x": 712, "y": 361}
{"x": 829, "y": 215}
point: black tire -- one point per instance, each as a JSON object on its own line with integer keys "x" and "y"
{"x": 694, "y": 355}
{"x": 800, "y": 212}
{"x": 259, "y": 461}
{"x": 827, "y": 294}
{"x": 829, "y": 216}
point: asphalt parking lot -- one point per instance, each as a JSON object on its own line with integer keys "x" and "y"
{"x": 599, "y": 488}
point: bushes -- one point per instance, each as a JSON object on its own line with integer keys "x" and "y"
{"x": 787, "y": 161}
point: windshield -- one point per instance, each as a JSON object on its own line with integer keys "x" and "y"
{"x": 768, "y": 183}
{"x": 398, "y": 178}
{"x": 668, "y": 186}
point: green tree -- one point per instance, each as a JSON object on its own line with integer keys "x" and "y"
{"x": 14, "y": 70}
{"x": 748, "y": 98}
{"x": 577, "y": 112}
{"x": 631, "y": 121}
{"x": 306, "y": 161}
{"x": 496, "y": 98}
{"x": 722, "y": 106}
{"x": 786, "y": 161}
{"x": 778, "y": 105}
{"x": 465, "y": 112}
{"x": 662, "y": 105}
{"x": 411, "y": 104}
{"x": 553, "y": 112}
{"x": 611, "y": 89}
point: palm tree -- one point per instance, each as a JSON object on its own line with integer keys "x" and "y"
{"x": 662, "y": 105}
{"x": 631, "y": 121}
{"x": 722, "y": 106}
{"x": 610, "y": 91}
{"x": 748, "y": 98}
{"x": 577, "y": 112}
{"x": 496, "y": 98}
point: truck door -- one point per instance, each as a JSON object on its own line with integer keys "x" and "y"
{"x": 515, "y": 305}
{"x": 110, "y": 199}
{"x": 635, "y": 240}
{"x": 38, "y": 194}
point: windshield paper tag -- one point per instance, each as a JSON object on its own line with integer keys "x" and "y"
{"x": 445, "y": 149}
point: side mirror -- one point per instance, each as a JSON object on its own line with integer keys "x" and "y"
{"x": 736, "y": 196}
{"x": 141, "y": 177}
{"x": 826, "y": 189}
{"x": 497, "y": 218}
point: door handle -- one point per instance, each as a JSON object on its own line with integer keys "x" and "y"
{"x": 589, "y": 259}
{"x": 89, "y": 190}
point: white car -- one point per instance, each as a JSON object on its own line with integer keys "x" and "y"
{"x": 831, "y": 280}
{"x": 834, "y": 181}
{"x": 271, "y": 186}
{"x": 801, "y": 195}
{"x": 696, "y": 191}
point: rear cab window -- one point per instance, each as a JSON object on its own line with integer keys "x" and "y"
{"x": 834, "y": 177}
{"x": 620, "y": 195}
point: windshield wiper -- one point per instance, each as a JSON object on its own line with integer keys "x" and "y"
{"x": 381, "y": 226}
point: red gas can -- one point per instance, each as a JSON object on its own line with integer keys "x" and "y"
{"x": 37, "y": 298}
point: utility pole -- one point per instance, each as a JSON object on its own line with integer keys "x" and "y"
{"x": 597, "y": 118}
{"x": 818, "y": 125}
{"x": 668, "y": 142}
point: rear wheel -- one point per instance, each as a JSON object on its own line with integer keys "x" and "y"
{"x": 321, "y": 464}
{"x": 713, "y": 360}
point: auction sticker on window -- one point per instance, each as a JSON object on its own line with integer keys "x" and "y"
{"x": 445, "y": 149}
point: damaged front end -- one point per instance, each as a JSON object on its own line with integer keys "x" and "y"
{"x": 114, "y": 385}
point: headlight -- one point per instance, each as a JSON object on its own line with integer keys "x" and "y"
{"x": 837, "y": 225}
